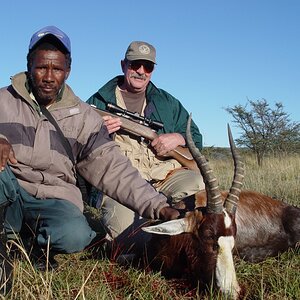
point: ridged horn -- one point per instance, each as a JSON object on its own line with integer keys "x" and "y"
{"x": 214, "y": 198}
{"x": 238, "y": 177}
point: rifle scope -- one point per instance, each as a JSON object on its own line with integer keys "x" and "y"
{"x": 135, "y": 116}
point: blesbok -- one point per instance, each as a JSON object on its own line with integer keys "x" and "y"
{"x": 200, "y": 245}
{"x": 264, "y": 227}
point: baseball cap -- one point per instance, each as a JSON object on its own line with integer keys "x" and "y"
{"x": 140, "y": 50}
{"x": 50, "y": 30}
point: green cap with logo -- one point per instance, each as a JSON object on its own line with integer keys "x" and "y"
{"x": 141, "y": 50}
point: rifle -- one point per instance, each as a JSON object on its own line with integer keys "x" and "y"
{"x": 140, "y": 126}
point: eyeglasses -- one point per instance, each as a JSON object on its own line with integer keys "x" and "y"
{"x": 136, "y": 64}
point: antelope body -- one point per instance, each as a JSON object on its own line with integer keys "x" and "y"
{"x": 265, "y": 226}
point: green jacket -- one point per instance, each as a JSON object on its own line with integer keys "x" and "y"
{"x": 161, "y": 106}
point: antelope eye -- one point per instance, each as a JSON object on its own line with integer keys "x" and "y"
{"x": 216, "y": 247}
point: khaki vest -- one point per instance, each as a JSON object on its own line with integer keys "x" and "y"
{"x": 140, "y": 155}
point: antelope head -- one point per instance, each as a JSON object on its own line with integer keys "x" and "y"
{"x": 205, "y": 237}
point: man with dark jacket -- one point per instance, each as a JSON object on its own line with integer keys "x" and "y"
{"x": 135, "y": 93}
{"x": 38, "y": 178}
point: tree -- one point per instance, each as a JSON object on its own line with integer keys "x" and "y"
{"x": 265, "y": 130}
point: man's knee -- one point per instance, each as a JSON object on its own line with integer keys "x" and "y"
{"x": 181, "y": 184}
{"x": 78, "y": 240}
{"x": 70, "y": 237}
{"x": 9, "y": 187}
{"x": 116, "y": 217}
{"x": 194, "y": 183}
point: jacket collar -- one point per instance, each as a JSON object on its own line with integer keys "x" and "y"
{"x": 20, "y": 85}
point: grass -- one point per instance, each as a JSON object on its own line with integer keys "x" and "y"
{"x": 80, "y": 277}
{"x": 279, "y": 177}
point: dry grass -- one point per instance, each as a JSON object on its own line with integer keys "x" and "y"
{"x": 279, "y": 177}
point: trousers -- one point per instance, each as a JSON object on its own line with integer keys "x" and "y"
{"x": 55, "y": 221}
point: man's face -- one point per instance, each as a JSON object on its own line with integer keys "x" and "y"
{"x": 48, "y": 73}
{"x": 137, "y": 74}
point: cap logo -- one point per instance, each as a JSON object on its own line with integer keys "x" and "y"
{"x": 41, "y": 34}
{"x": 144, "y": 49}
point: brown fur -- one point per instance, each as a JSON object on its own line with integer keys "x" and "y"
{"x": 265, "y": 226}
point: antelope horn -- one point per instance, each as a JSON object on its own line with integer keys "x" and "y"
{"x": 214, "y": 198}
{"x": 238, "y": 177}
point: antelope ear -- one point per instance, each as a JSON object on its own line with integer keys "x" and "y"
{"x": 172, "y": 227}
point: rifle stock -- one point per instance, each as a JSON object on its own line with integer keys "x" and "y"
{"x": 181, "y": 154}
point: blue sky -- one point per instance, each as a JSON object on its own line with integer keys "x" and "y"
{"x": 210, "y": 54}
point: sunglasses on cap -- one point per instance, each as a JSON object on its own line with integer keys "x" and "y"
{"x": 136, "y": 64}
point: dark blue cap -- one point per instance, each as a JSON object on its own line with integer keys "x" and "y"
{"x": 50, "y": 30}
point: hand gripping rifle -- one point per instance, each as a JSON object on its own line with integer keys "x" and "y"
{"x": 141, "y": 126}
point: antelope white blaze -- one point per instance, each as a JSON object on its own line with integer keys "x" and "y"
{"x": 227, "y": 219}
{"x": 225, "y": 271}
